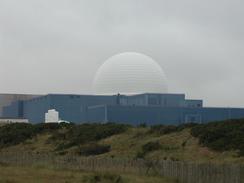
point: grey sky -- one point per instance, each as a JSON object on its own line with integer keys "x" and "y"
{"x": 56, "y": 46}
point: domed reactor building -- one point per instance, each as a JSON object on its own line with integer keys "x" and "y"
{"x": 128, "y": 88}
{"x": 128, "y": 74}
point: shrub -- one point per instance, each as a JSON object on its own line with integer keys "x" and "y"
{"x": 140, "y": 155}
{"x": 142, "y": 125}
{"x": 85, "y": 133}
{"x": 93, "y": 149}
{"x": 186, "y": 125}
{"x": 221, "y": 136}
{"x": 147, "y": 148}
{"x": 13, "y": 134}
{"x": 62, "y": 146}
{"x": 162, "y": 129}
{"x": 166, "y": 129}
{"x": 103, "y": 177}
{"x": 151, "y": 146}
{"x": 41, "y": 127}
{"x": 50, "y": 127}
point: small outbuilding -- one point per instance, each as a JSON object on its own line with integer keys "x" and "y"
{"x": 52, "y": 116}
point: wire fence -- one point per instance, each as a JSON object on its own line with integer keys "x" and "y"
{"x": 184, "y": 172}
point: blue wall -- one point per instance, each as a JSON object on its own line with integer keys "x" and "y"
{"x": 97, "y": 114}
{"x": 163, "y": 115}
{"x": 144, "y": 108}
{"x": 72, "y": 108}
{"x": 15, "y": 110}
{"x": 35, "y": 109}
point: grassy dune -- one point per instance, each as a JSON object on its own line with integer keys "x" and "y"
{"x": 117, "y": 141}
{"x": 174, "y": 146}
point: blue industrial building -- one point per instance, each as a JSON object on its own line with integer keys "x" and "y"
{"x": 126, "y": 73}
{"x": 134, "y": 109}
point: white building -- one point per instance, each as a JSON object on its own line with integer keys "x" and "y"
{"x": 52, "y": 116}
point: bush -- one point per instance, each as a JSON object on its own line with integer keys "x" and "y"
{"x": 142, "y": 125}
{"x": 86, "y": 133}
{"x": 41, "y": 127}
{"x": 50, "y": 127}
{"x": 162, "y": 129}
{"x": 103, "y": 177}
{"x": 221, "y": 136}
{"x": 166, "y": 129}
{"x": 93, "y": 149}
{"x": 187, "y": 125}
{"x": 13, "y": 134}
{"x": 147, "y": 148}
{"x": 151, "y": 146}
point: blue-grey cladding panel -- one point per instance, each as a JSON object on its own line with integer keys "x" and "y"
{"x": 35, "y": 109}
{"x": 74, "y": 108}
{"x": 15, "y": 110}
{"x": 97, "y": 114}
{"x": 161, "y": 115}
{"x": 136, "y": 115}
{"x": 89, "y": 108}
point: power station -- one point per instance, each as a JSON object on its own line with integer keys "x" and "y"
{"x": 129, "y": 88}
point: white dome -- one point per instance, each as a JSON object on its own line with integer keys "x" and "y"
{"x": 129, "y": 73}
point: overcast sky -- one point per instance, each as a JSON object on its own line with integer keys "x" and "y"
{"x": 56, "y": 46}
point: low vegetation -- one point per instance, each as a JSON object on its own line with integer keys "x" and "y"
{"x": 221, "y": 136}
{"x": 40, "y": 174}
{"x": 217, "y": 141}
{"x": 103, "y": 177}
{"x": 13, "y": 134}
{"x": 167, "y": 129}
{"x": 149, "y": 147}
{"x": 93, "y": 149}
{"x": 84, "y": 133}
{"x": 65, "y": 136}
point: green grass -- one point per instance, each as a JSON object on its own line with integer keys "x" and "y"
{"x": 13, "y": 174}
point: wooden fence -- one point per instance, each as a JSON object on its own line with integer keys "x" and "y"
{"x": 185, "y": 172}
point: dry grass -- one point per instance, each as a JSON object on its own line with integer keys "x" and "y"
{"x": 36, "y": 144}
{"x": 10, "y": 174}
{"x": 177, "y": 146}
